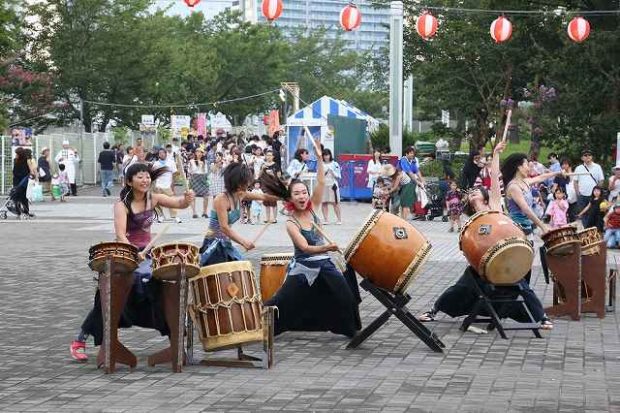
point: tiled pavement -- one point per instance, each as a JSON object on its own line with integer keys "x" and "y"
{"x": 46, "y": 288}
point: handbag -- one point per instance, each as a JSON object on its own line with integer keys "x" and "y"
{"x": 37, "y": 192}
{"x": 42, "y": 173}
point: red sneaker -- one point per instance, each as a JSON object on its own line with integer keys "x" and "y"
{"x": 78, "y": 350}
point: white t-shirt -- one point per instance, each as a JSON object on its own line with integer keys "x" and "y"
{"x": 586, "y": 182}
{"x": 373, "y": 169}
{"x": 165, "y": 180}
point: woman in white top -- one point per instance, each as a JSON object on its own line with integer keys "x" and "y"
{"x": 374, "y": 168}
{"x": 331, "y": 191}
{"x": 614, "y": 183}
{"x": 199, "y": 183}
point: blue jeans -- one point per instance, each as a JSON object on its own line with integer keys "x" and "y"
{"x": 582, "y": 202}
{"x": 107, "y": 179}
{"x": 612, "y": 237}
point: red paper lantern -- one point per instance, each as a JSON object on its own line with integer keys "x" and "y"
{"x": 192, "y": 3}
{"x": 426, "y": 26}
{"x": 272, "y": 9}
{"x": 501, "y": 29}
{"x": 578, "y": 29}
{"x": 350, "y": 17}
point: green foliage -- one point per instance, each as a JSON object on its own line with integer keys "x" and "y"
{"x": 121, "y": 135}
{"x": 462, "y": 70}
{"x": 164, "y": 134}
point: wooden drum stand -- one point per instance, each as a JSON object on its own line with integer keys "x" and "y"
{"x": 114, "y": 290}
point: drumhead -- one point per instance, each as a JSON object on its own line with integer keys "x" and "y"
{"x": 471, "y": 221}
{"x": 369, "y": 223}
{"x": 508, "y": 262}
{"x": 224, "y": 267}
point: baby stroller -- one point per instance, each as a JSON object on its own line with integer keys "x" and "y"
{"x": 14, "y": 205}
{"x": 435, "y": 205}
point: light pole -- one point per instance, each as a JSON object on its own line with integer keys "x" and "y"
{"x": 396, "y": 77}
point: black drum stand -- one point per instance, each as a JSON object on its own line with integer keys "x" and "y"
{"x": 395, "y": 305}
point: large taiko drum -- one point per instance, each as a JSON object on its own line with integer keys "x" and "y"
{"x": 590, "y": 241}
{"x": 226, "y": 306}
{"x": 496, "y": 247}
{"x": 167, "y": 259}
{"x": 273, "y": 269}
{"x": 560, "y": 241}
{"x": 124, "y": 256}
{"x": 388, "y": 251}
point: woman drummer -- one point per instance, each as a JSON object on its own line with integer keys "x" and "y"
{"x": 217, "y": 246}
{"x": 133, "y": 215}
{"x": 460, "y": 299}
{"x": 315, "y": 296}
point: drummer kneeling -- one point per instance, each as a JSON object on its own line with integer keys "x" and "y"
{"x": 133, "y": 215}
{"x": 461, "y": 298}
{"x": 315, "y": 295}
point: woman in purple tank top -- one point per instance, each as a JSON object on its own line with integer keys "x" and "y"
{"x": 133, "y": 215}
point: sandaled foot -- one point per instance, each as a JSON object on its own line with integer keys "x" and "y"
{"x": 546, "y": 324}
{"x": 426, "y": 317}
{"x": 78, "y": 351}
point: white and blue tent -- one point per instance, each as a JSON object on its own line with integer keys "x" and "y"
{"x": 315, "y": 115}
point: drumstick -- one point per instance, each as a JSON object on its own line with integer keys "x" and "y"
{"x": 155, "y": 238}
{"x": 577, "y": 173}
{"x": 508, "y": 116}
{"x": 323, "y": 234}
{"x": 261, "y": 232}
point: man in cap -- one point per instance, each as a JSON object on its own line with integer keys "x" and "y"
{"x": 588, "y": 175}
{"x": 68, "y": 156}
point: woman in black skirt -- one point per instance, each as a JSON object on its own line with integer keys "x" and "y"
{"x": 315, "y": 296}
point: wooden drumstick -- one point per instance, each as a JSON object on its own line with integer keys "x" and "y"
{"x": 261, "y": 232}
{"x": 508, "y": 116}
{"x": 577, "y": 173}
{"x": 154, "y": 239}
{"x": 324, "y": 235}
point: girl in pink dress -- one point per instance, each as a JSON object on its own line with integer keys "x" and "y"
{"x": 558, "y": 209}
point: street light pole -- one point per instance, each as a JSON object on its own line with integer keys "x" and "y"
{"x": 396, "y": 78}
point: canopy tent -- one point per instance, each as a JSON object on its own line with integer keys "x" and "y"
{"x": 316, "y": 117}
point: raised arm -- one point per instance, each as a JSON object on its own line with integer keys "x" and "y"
{"x": 176, "y": 202}
{"x": 514, "y": 192}
{"x": 495, "y": 195}
{"x": 317, "y": 192}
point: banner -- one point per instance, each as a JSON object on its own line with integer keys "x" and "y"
{"x": 201, "y": 124}
{"x": 180, "y": 124}
{"x": 274, "y": 122}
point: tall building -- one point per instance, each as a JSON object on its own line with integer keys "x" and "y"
{"x": 372, "y": 35}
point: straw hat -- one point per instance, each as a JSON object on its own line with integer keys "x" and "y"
{"x": 45, "y": 148}
{"x": 388, "y": 170}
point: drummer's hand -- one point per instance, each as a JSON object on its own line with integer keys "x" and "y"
{"x": 544, "y": 228}
{"x": 332, "y": 247}
{"x": 141, "y": 256}
{"x": 248, "y": 245}
{"x": 189, "y": 195}
{"x": 499, "y": 148}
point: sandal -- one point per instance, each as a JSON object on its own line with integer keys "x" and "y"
{"x": 427, "y": 317}
{"x": 546, "y": 324}
{"x": 78, "y": 351}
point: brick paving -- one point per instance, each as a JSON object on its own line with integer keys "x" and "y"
{"x": 46, "y": 289}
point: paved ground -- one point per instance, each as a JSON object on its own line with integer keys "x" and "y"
{"x": 46, "y": 288}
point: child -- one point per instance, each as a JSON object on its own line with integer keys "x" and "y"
{"x": 380, "y": 195}
{"x": 454, "y": 206}
{"x": 612, "y": 226}
{"x": 592, "y": 211}
{"x": 557, "y": 209}
{"x": 257, "y": 205}
{"x": 63, "y": 181}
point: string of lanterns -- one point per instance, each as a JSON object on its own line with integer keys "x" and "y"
{"x": 426, "y": 25}
{"x": 501, "y": 28}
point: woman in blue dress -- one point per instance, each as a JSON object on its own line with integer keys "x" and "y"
{"x": 217, "y": 246}
{"x": 315, "y": 295}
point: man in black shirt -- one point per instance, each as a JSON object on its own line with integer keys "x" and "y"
{"x": 106, "y": 161}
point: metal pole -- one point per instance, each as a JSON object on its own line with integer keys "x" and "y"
{"x": 396, "y": 77}
{"x": 3, "y": 164}
{"x": 617, "y": 148}
{"x": 408, "y": 105}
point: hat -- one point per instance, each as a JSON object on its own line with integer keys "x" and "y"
{"x": 388, "y": 170}
{"x": 45, "y": 148}
{"x": 65, "y": 142}
{"x": 615, "y": 168}
{"x": 586, "y": 152}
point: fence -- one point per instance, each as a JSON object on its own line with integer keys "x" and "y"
{"x": 88, "y": 146}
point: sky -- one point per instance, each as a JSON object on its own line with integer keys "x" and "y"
{"x": 208, "y": 7}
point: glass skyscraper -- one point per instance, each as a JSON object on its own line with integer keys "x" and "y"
{"x": 372, "y": 35}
